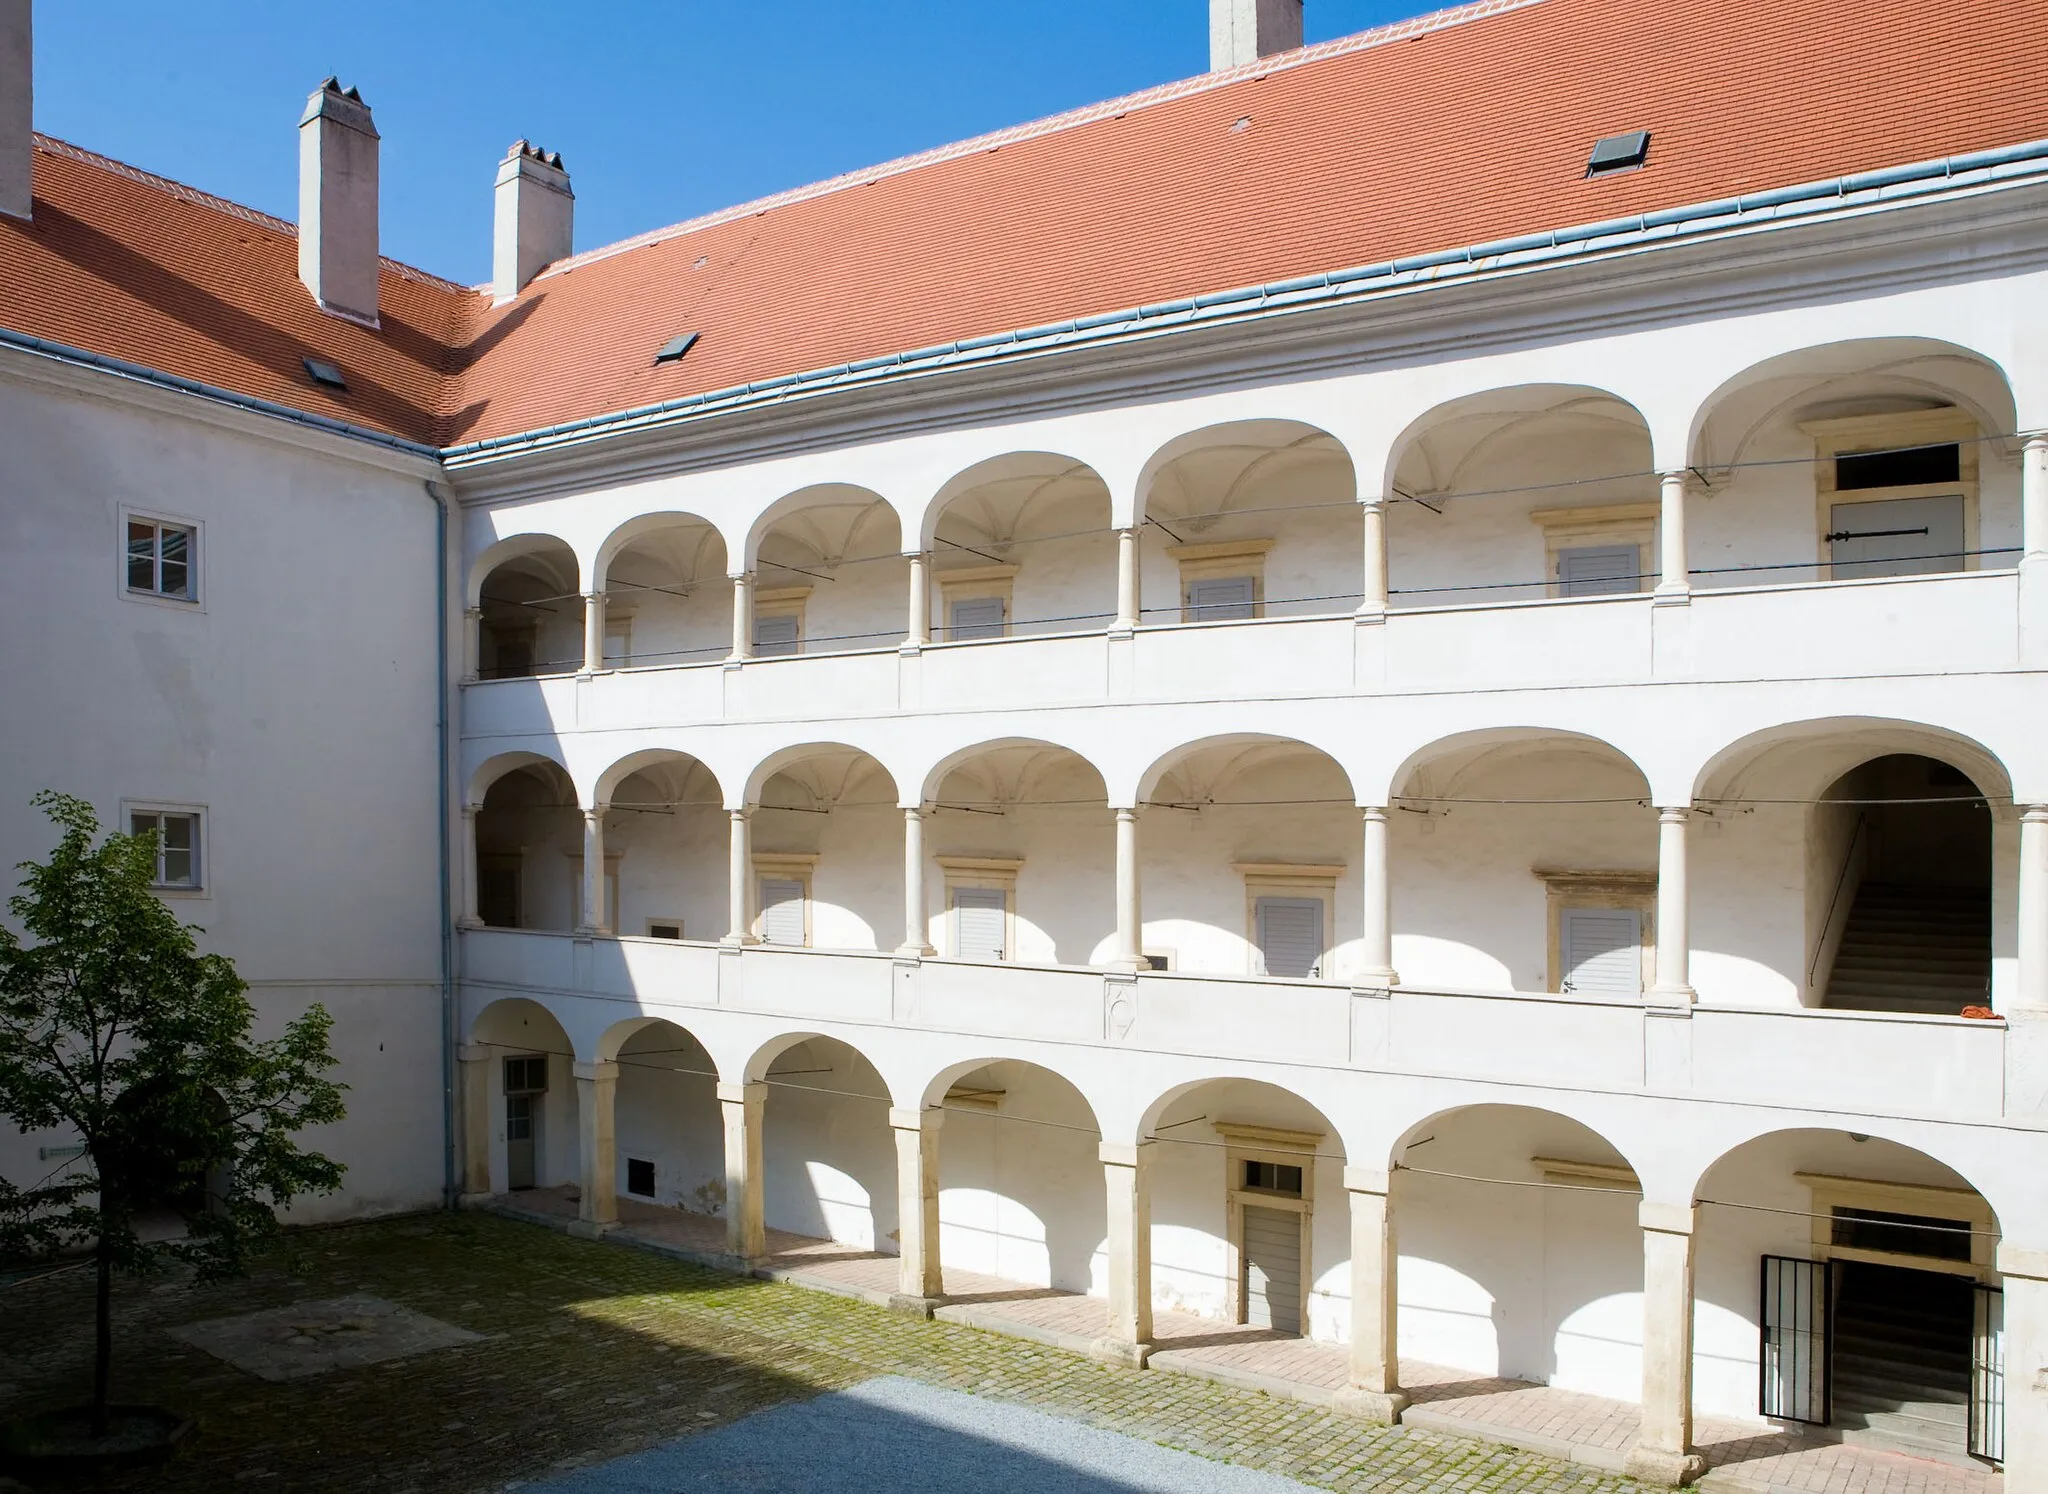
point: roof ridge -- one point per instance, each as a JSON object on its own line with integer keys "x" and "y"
{"x": 187, "y": 193}
{"x": 1378, "y": 36}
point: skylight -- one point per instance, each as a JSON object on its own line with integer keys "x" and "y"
{"x": 1619, "y": 153}
{"x": 325, "y": 374}
{"x": 675, "y": 347}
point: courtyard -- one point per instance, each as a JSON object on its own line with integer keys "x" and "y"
{"x": 531, "y": 1358}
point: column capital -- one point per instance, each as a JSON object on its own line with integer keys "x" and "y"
{"x": 470, "y": 811}
{"x": 745, "y": 811}
{"x": 596, "y": 811}
{"x": 593, "y": 596}
{"x": 597, "y": 1073}
{"x": 1124, "y": 811}
{"x": 1378, "y": 501}
{"x": 1667, "y": 1218}
{"x": 927, "y": 1119}
{"x": 2033, "y": 814}
{"x": 1373, "y": 811}
{"x": 474, "y": 1053}
{"x": 752, "y": 1092}
{"x": 1674, "y": 814}
{"x": 2034, "y": 440}
{"x": 2017, "y": 1260}
{"x": 473, "y": 611}
{"x": 1367, "y": 1180}
{"x": 1125, "y": 1153}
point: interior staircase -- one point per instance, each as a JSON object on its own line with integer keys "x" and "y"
{"x": 1914, "y": 949}
{"x": 1902, "y": 1360}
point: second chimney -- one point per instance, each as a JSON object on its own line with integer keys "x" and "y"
{"x": 17, "y": 110}
{"x": 534, "y": 220}
{"x": 338, "y": 201}
{"x": 1242, "y": 31}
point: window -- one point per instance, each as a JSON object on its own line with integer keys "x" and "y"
{"x": 779, "y": 621}
{"x": 527, "y": 1075}
{"x": 163, "y": 559}
{"x": 1614, "y": 153}
{"x": 509, "y": 650}
{"x": 664, "y": 928}
{"x": 1601, "y": 951}
{"x": 498, "y": 884}
{"x": 1896, "y": 493}
{"x": 783, "y": 884}
{"x": 1597, "y": 552}
{"x": 640, "y": 1177}
{"x": 1273, "y": 1177}
{"x": 976, "y": 601}
{"x": 177, "y": 846}
{"x": 981, "y": 906}
{"x": 1289, "y": 908}
{"x": 1223, "y": 582}
{"x": 1901, "y": 1234}
{"x": 618, "y": 640}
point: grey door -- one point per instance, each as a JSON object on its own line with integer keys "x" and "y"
{"x": 1272, "y": 1269}
{"x": 1290, "y": 931}
{"x": 1896, "y": 537}
{"x": 522, "y": 1122}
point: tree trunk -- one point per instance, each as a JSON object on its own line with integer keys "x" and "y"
{"x": 103, "y": 1338}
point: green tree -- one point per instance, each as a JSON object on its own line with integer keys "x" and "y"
{"x": 114, "y": 1025}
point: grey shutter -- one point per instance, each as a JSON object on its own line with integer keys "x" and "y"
{"x": 978, "y": 922}
{"x": 1223, "y": 599}
{"x": 1602, "y": 950}
{"x": 775, "y": 636}
{"x": 1896, "y": 537}
{"x": 1290, "y": 934}
{"x": 1272, "y": 1269}
{"x": 1793, "y": 1360}
{"x": 1987, "y": 1377}
{"x": 979, "y": 617}
{"x": 1598, "y": 571}
{"x": 782, "y": 911}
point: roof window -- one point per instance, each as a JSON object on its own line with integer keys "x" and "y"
{"x": 325, "y": 374}
{"x": 1619, "y": 153}
{"x": 673, "y": 350}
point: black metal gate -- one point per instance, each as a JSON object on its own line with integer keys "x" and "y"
{"x": 1987, "y": 1377}
{"x": 1793, "y": 1365}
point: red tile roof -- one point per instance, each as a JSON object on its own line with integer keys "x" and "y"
{"x": 1472, "y": 127}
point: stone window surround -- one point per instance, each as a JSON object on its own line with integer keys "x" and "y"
{"x": 1600, "y": 524}
{"x": 1288, "y": 1148}
{"x": 974, "y": 583}
{"x": 1206, "y": 562}
{"x": 783, "y": 601}
{"x": 782, "y": 866}
{"x": 1845, "y": 435}
{"x": 1287, "y": 879}
{"x": 1930, "y": 1200}
{"x": 982, "y": 871}
{"x": 1632, "y": 890}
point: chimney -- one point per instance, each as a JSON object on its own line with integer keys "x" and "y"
{"x": 338, "y": 201}
{"x": 17, "y": 94}
{"x": 1242, "y": 31}
{"x": 533, "y": 220}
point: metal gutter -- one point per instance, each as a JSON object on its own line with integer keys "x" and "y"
{"x": 64, "y": 353}
{"x": 1801, "y": 202}
{"x": 451, "y": 1032}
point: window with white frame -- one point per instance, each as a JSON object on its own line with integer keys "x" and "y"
{"x": 1597, "y": 552}
{"x": 163, "y": 559}
{"x": 178, "y": 838}
{"x": 1288, "y": 913}
{"x": 1222, "y": 582}
{"x": 977, "y": 601}
{"x": 783, "y": 884}
{"x": 981, "y": 906}
{"x": 779, "y": 621}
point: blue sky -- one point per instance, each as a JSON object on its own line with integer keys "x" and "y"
{"x": 662, "y": 110}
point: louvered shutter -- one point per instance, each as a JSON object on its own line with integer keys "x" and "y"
{"x": 782, "y": 911}
{"x": 978, "y": 922}
{"x": 1222, "y": 599}
{"x": 1602, "y": 950}
{"x": 776, "y": 635}
{"x": 979, "y": 617}
{"x": 1598, "y": 571}
{"x": 1290, "y": 934}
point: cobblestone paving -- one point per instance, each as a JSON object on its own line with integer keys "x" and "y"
{"x": 592, "y": 1351}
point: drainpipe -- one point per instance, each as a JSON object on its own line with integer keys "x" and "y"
{"x": 449, "y": 1033}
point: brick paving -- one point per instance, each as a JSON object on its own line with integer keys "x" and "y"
{"x": 592, "y": 1352}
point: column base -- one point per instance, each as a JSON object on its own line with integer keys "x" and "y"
{"x": 1677, "y": 596}
{"x": 912, "y": 1306}
{"x": 472, "y": 1200}
{"x": 1381, "y": 1407}
{"x": 915, "y": 952}
{"x": 591, "y": 1229}
{"x": 1671, "y": 996}
{"x": 469, "y": 921}
{"x": 1655, "y": 1466}
{"x": 1120, "y": 1352}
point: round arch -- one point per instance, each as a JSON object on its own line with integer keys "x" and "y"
{"x": 1255, "y": 449}
{"x": 494, "y": 768}
{"x": 844, "y": 517}
{"x": 1234, "y": 753}
{"x": 1026, "y": 478}
{"x": 695, "y": 539}
{"x": 552, "y": 548}
{"x": 1803, "y": 757}
{"x": 1455, "y": 435}
{"x": 935, "y": 776}
{"x": 617, "y": 773}
{"x": 1461, "y": 751}
{"x": 785, "y": 758}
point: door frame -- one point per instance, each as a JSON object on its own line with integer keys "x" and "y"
{"x": 1286, "y": 1148}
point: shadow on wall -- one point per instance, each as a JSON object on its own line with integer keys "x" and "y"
{"x": 830, "y": 1156}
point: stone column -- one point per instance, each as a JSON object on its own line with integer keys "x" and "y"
{"x": 593, "y": 632}
{"x": 1674, "y": 582}
{"x": 2030, "y": 985}
{"x": 596, "y": 1086}
{"x": 1126, "y": 1172}
{"x": 2025, "y": 1279}
{"x": 1374, "y": 1391}
{"x": 1664, "y": 1452}
{"x": 595, "y": 914}
{"x": 1128, "y": 953}
{"x": 742, "y": 618}
{"x": 2034, "y": 497}
{"x": 916, "y": 925}
{"x": 1372, "y": 602}
{"x": 1378, "y": 941}
{"x": 476, "y": 1120}
{"x": 1128, "y": 609}
{"x": 1674, "y": 935}
{"x": 917, "y": 1208}
{"x": 920, "y": 630}
{"x": 739, "y": 882}
{"x": 745, "y": 1235}
{"x": 472, "y": 643}
{"x": 467, "y": 916}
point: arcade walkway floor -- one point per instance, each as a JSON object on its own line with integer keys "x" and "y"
{"x": 559, "y": 1355}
